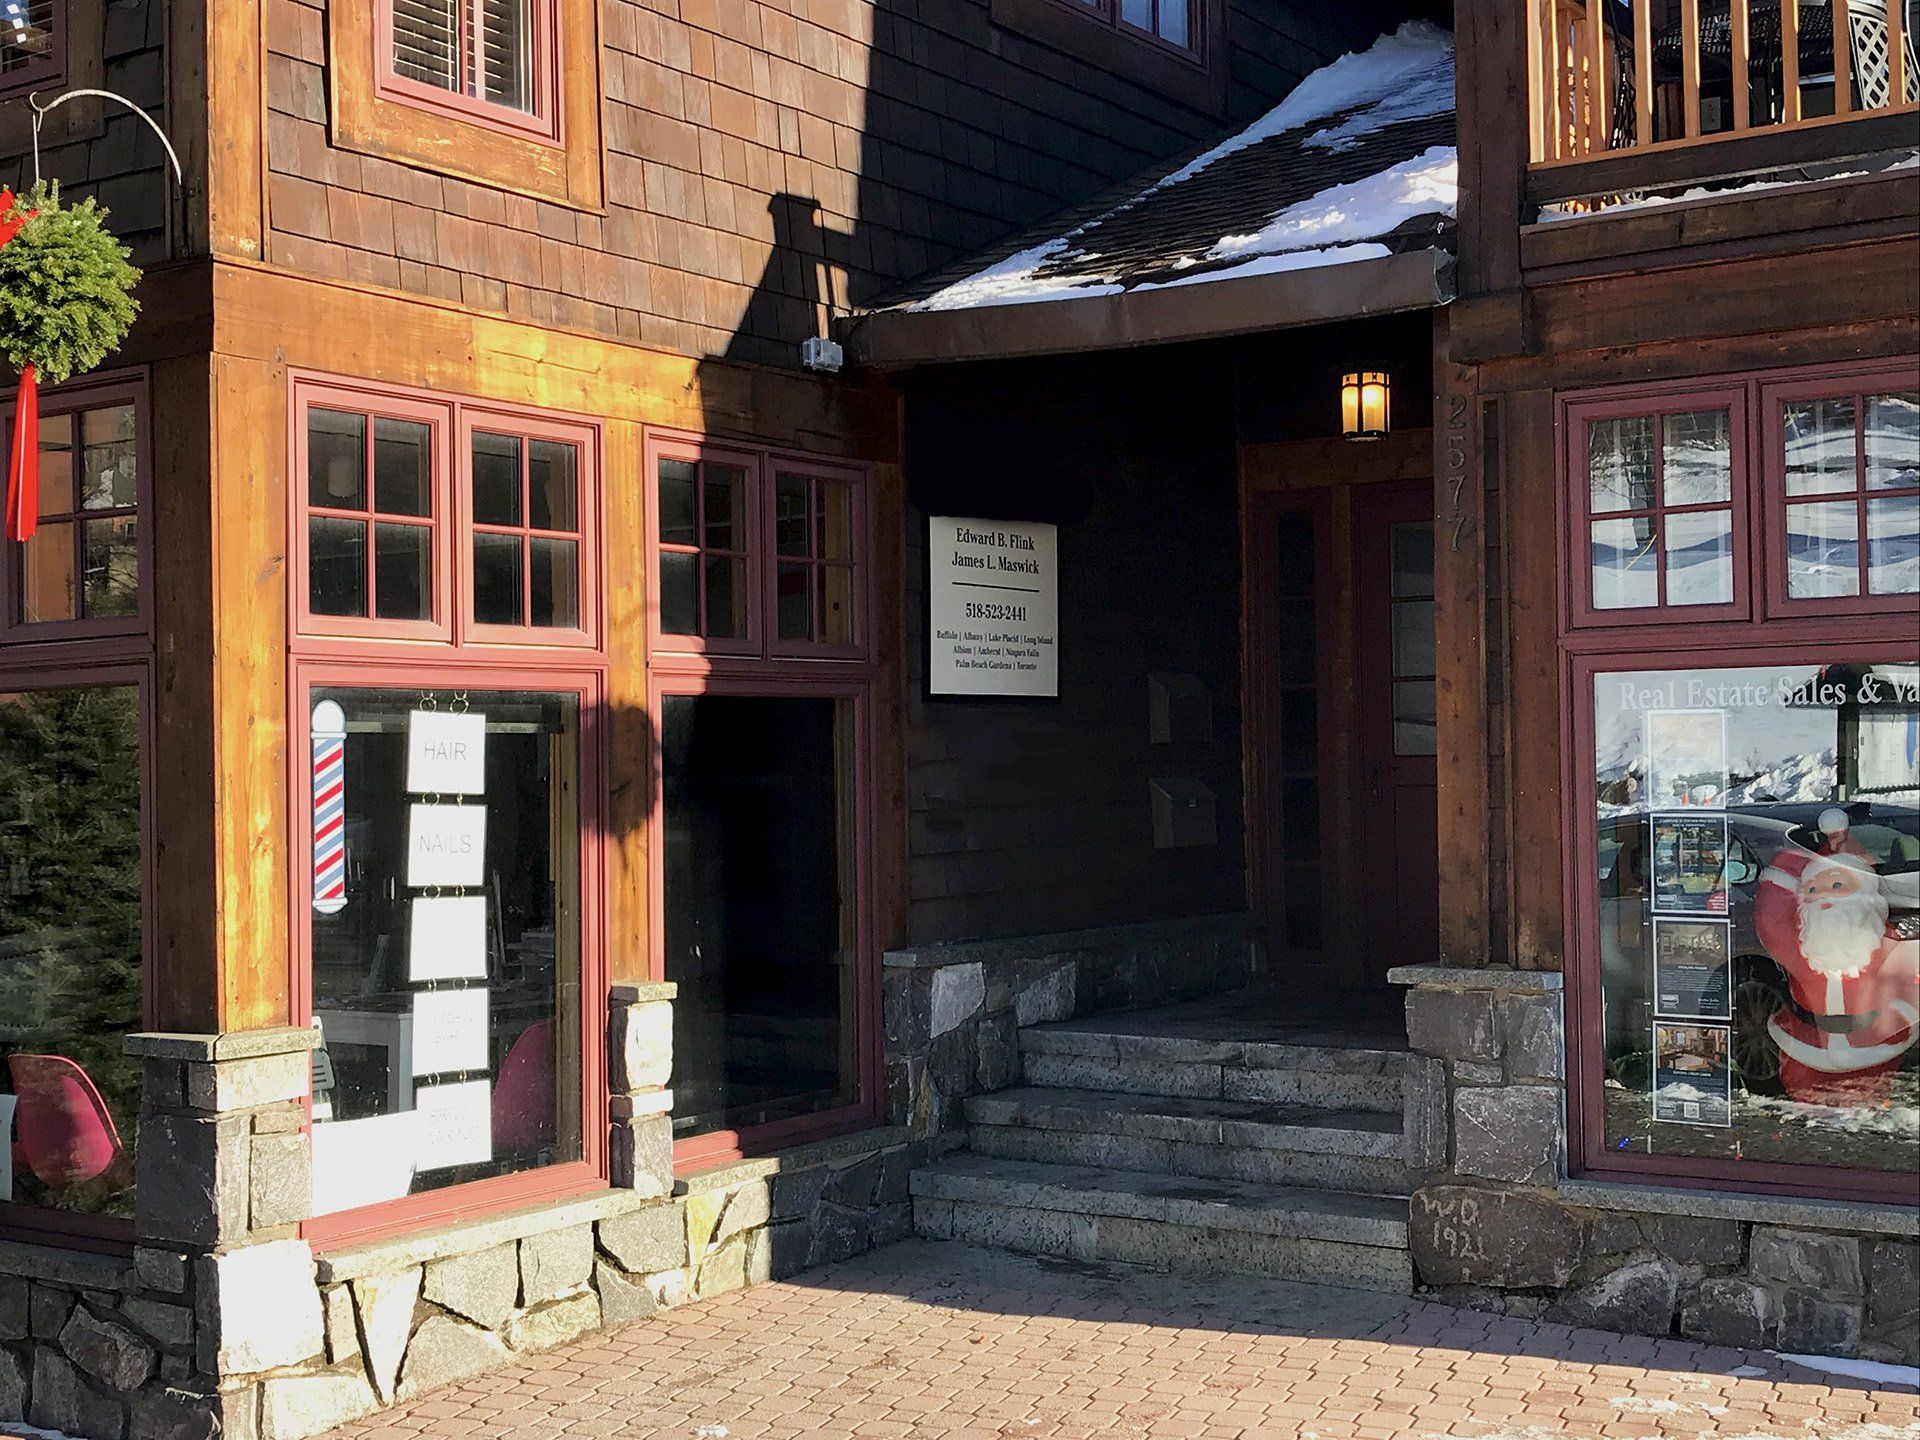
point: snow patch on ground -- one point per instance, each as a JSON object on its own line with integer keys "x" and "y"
{"x": 1873, "y": 1370}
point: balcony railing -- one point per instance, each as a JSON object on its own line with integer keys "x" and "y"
{"x": 1625, "y": 75}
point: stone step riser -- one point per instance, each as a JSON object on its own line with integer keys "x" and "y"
{"x": 1365, "y": 1174}
{"x": 1243, "y": 1054}
{"x": 1378, "y": 1094}
{"x": 1185, "y": 1248}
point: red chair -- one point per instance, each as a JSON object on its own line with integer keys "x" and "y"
{"x": 523, "y": 1096}
{"x": 65, "y": 1133}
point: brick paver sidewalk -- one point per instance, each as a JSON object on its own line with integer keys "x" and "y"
{"x": 930, "y": 1341}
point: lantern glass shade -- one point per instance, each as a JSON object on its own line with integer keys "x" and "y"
{"x": 1366, "y": 405}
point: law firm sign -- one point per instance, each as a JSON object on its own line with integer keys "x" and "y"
{"x": 993, "y": 608}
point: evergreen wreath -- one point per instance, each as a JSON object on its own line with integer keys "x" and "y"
{"x": 66, "y": 303}
{"x": 66, "y": 286}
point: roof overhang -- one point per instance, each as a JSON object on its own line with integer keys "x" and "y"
{"x": 1389, "y": 284}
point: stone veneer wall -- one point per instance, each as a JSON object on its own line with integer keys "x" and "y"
{"x": 953, "y": 1012}
{"x": 224, "y": 1323}
{"x": 1496, "y": 1225}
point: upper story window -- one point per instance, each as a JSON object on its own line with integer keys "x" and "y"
{"x": 30, "y": 42}
{"x": 1611, "y": 75}
{"x": 80, "y": 573}
{"x": 1675, "y": 517}
{"x": 758, "y": 553}
{"x": 1167, "y": 20}
{"x": 443, "y": 520}
{"x": 492, "y": 60}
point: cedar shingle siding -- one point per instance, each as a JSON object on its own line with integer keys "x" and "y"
{"x": 753, "y": 148}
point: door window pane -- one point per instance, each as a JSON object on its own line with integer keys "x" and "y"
{"x": 759, "y": 908}
{"x": 403, "y": 572}
{"x": 402, "y": 467}
{"x": 56, "y": 464}
{"x": 49, "y": 585}
{"x": 679, "y": 593}
{"x": 498, "y": 598}
{"x": 1624, "y": 559}
{"x": 726, "y": 598}
{"x": 110, "y": 567}
{"x": 496, "y": 479}
{"x": 556, "y": 583}
{"x": 336, "y": 459}
{"x": 1416, "y": 729}
{"x": 1819, "y": 442}
{"x": 109, "y": 478}
{"x": 1893, "y": 544}
{"x": 1620, "y": 464}
{"x": 793, "y": 602}
{"x": 336, "y": 566}
{"x": 726, "y": 508}
{"x": 1697, "y": 461}
{"x": 1823, "y": 549}
{"x": 553, "y": 481}
{"x": 1893, "y": 441}
{"x": 1700, "y": 558}
{"x": 447, "y": 991}
{"x": 679, "y": 524}
{"x": 70, "y": 947}
{"x": 1758, "y": 848}
{"x": 792, "y": 532}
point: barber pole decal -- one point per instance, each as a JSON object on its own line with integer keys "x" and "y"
{"x": 329, "y": 808}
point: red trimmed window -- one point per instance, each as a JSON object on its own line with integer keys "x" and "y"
{"x": 1843, "y": 458}
{"x": 1660, "y": 488}
{"x": 488, "y": 60}
{"x": 32, "y": 43}
{"x": 447, "y": 672}
{"x": 1676, "y": 516}
{"x": 1744, "y": 808}
{"x": 81, "y": 573}
{"x": 757, "y": 553}
{"x": 762, "y": 685}
{"x": 1168, "y": 21}
{"x": 433, "y": 519}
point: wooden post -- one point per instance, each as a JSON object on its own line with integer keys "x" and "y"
{"x": 1461, "y": 764}
{"x": 1738, "y": 22}
{"x": 1539, "y": 81}
{"x": 1842, "y": 59}
{"x": 1690, "y": 65}
{"x": 1790, "y": 62}
{"x": 1643, "y": 70}
{"x": 1896, "y": 53}
{"x": 1599, "y": 97}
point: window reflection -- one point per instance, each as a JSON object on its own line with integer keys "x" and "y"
{"x": 70, "y": 947}
{"x": 446, "y": 991}
{"x": 1758, "y": 839}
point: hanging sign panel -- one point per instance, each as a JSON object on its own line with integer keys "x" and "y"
{"x": 446, "y": 753}
{"x": 448, "y": 938}
{"x": 993, "y": 607}
{"x": 446, "y": 844}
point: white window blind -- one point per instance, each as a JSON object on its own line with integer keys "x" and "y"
{"x": 481, "y": 48}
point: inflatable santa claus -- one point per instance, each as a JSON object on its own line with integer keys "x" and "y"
{"x": 1822, "y": 915}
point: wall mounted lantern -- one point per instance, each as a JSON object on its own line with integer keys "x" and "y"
{"x": 1366, "y": 405}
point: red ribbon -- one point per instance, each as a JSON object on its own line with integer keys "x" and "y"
{"x": 23, "y": 459}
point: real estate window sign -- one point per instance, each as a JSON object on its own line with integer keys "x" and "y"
{"x": 993, "y": 607}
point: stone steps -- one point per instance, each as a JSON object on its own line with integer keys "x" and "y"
{"x": 1175, "y": 1222}
{"x": 1254, "y": 1140}
{"x": 1082, "y": 1056}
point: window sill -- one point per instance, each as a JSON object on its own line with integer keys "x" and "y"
{"x": 1848, "y": 1215}
{"x": 1199, "y": 82}
{"x": 380, "y": 1257}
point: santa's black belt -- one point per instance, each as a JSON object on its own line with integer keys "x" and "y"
{"x": 1835, "y": 1024}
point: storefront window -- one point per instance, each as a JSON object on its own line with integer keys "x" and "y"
{"x": 70, "y": 947}
{"x": 446, "y": 939}
{"x": 1757, "y": 849}
{"x": 760, "y": 928}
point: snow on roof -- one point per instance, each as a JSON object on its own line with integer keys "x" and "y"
{"x": 1356, "y": 163}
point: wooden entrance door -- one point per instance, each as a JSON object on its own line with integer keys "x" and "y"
{"x": 1396, "y": 809}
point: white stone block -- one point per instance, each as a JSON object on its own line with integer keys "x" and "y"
{"x": 958, "y": 993}
{"x": 267, "y": 1304}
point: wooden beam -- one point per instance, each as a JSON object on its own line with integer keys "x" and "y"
{"x": 1493, "y": 119}
{"x": 1690, "y": 66}
{"x": 1671, "y": 164}
{"x": 1896, "y": 52}
{"x": 1313, "y": 464}
{"x": 1842, "y": 59}
{"x": 1790, "y": 61}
